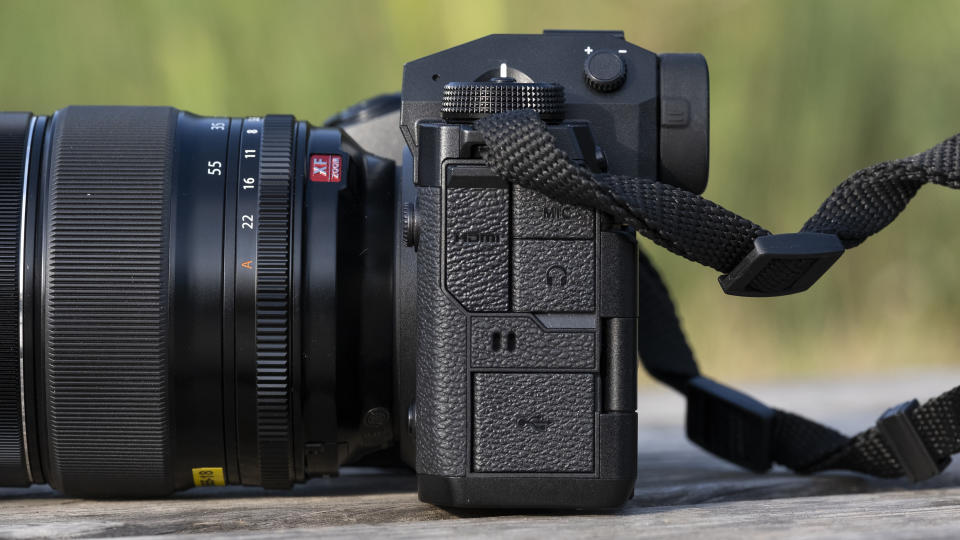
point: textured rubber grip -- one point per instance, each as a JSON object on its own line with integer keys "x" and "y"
{"x": 106, "y": 302}
{"x": 442, "y": 385}
{"x": 14, "y": 131}
{"x": 274, "y": 436}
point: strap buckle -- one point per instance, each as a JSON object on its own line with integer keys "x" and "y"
{"x": 729, "y": 424}
{"x": 800, "y": 259}
{"x": 897, "y": 429}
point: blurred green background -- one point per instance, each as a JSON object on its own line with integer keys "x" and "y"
{"x": 803, "y": 93}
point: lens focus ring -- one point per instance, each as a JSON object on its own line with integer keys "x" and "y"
{"x": 106, "y": 302}
{"x": 14, "y": 129}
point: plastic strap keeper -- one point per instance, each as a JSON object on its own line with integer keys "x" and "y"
{"x": 729, "y": 424}
{"x": 819, "y": 251}
{"x": 898, "y": 431}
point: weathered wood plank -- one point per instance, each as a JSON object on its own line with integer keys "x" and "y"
{"x": 681, "y": 492}
{"x": 912, "y": 514}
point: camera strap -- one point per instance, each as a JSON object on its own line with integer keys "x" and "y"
{"x": 910, "y": 439}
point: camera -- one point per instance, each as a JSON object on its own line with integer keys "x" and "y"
{"x": 200, "y": 301}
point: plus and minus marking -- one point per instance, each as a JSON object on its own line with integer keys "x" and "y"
{"x": 589, "y": 50}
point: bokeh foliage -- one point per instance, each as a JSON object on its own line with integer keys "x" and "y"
{"x": 803, "y": 93}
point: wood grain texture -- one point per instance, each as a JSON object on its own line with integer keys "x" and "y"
{"x": 681, "y": 492}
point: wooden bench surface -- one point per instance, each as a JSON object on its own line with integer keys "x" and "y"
{"x": 681, "y": 491}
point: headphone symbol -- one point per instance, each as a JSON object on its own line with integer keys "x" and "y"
{"x": 556, "y": 276}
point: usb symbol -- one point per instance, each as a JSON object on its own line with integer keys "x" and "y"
{"x": 537, "y": 422}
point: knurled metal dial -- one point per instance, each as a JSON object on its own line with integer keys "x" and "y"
{"x": 468, "y": 101}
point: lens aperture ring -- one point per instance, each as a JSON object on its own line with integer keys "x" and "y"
{"x": 14, "y": 146}
{"x": 273, "y": 304}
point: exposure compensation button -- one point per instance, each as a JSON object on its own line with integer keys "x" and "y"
{"x": 604, "y": 71}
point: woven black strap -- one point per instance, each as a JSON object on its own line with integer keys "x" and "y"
{"x": 521, "y": 149}
{"x": 911, "y": 439}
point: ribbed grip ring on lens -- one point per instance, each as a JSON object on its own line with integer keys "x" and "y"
{"x": 274, "y": 436}
{"x": 106, "y": 301}
{"x": 14, "y": 131}
{"x": 474, "y": 100}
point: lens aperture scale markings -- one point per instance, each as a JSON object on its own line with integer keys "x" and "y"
{"x": 245, "y": 282}
{"x": 247, "y": 208}
{"x": 247, "y": 195}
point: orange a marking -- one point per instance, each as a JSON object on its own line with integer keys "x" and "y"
{"x": 247, "y": 264}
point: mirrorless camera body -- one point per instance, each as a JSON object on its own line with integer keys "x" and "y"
{"x": 207, "y": 301}
{"x": 526, "y": 308}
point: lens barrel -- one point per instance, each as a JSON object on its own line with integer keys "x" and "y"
{"x": 183, "y": 303}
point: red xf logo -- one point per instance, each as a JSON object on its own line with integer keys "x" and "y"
{"x": 325, "y": 168}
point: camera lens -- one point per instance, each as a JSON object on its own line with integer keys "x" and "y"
{"x": 155, "y": 270}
